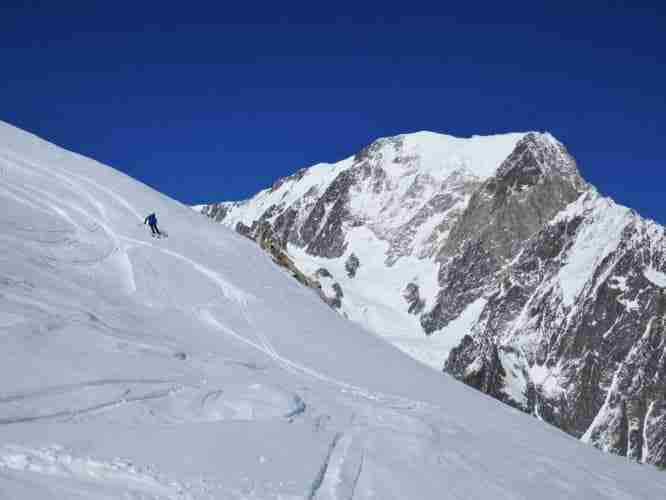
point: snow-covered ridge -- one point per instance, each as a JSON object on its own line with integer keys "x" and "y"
{"x": 440, "y": 155}
{"x": 424, "y": 153}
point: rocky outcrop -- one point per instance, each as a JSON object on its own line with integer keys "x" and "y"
{"x": 329, "y": 290}
{"x": 537, "y": 181}
{"x": 352, "y": 265}
{"x": 588, "y": 332}
{"x": 262, "y": 233}
{"x": 413, "y": 298}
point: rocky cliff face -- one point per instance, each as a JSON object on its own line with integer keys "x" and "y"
{"x": 492, "y": 258}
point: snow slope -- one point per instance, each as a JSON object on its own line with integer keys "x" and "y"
{"x": 193, "y": 368}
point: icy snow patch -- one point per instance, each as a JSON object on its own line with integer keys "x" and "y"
{"x": 434, "y": 350}
{"x": 546, "y": 379}
{"x": 656, "y": 277}
{"x": 515, "y": 383}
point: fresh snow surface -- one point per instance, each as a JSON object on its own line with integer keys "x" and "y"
{"x": 193, "y": 368}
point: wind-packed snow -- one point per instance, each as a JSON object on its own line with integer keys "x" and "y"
{"x": 192, "y": 368}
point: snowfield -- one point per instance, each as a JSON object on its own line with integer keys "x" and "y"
{"x": 191, "y": 368}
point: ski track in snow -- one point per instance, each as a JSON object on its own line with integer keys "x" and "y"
{"x": 64, "y": 389}
{"x": 231, "y": 292}
{"x": 61, "y": 206}
{"x": 70, "y": 413}
{"x": 341, "y": 470}
{"x": 321, "y": 475}
{"x": 113, "y": 195}
{"x": 294, "y": 367}
{"x": 354, "y": 391}
{"x": 228, "y": 290}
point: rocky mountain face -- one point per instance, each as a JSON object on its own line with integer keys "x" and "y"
{"x": 493, "y": 259}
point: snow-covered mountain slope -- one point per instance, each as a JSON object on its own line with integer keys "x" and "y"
{"x": 390, "y": 206}
{"x": 492, "y": 258}
{"x": 192, "y": 367}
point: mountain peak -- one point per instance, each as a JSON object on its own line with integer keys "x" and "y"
{"x": 537, "y": 156}
{"x": 498, "y": 238}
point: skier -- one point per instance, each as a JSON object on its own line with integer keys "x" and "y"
{"x": 151, "y": 220}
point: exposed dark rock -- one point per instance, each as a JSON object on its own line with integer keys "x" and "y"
{"x": 336, "y": 301}
{"x": 263, "y": 234}
{"x": 244, "y": 230}
{"x": 323, "y": 229}
{"x": 293, "y": 178}
{"x": 218, "y": 211}
{"x": 284, "y": 226}
{"x": 414, "y": 301}
{"x": 322, "y": 272}
{"x": 352, "y": 265}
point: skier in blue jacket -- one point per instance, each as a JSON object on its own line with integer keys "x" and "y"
{"x": 151, "y": 220}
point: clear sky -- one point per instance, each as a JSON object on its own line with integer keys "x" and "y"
{"x": 210, "y": 101}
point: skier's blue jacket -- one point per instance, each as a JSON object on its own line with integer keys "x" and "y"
{"x": 151, "y": 219}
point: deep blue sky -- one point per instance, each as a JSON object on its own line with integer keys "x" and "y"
{"x": 214, "y": 100}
